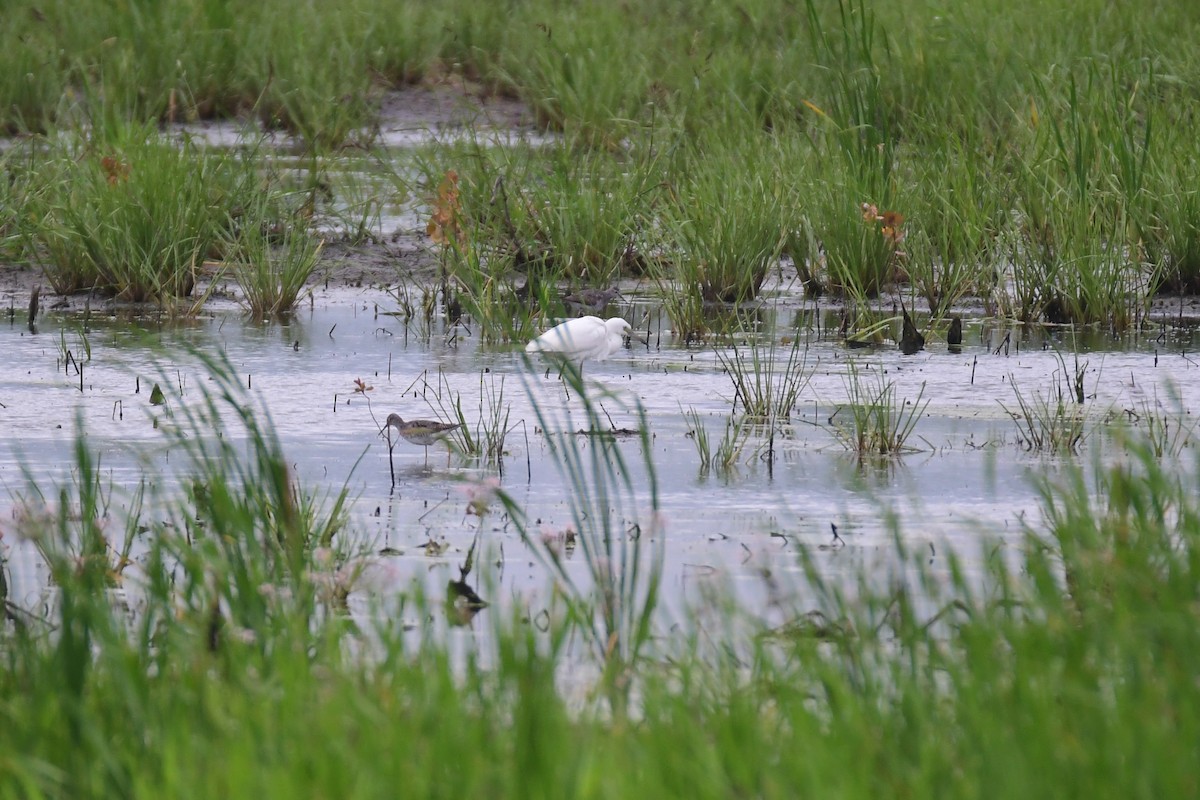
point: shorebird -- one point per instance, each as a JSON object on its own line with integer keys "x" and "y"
{"x": 420, "y": 431}
{"x": 591, "y": 300}
{"x": 582, "y": 338}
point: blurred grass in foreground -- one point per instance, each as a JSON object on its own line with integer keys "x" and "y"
{"x": 223, "y": 663}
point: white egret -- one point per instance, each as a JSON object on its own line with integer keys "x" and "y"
{"x": 582, "y": 338}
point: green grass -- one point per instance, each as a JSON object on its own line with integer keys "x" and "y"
{"x": 1038, "y": 152}
{"x": 728, "y": 452}
{"x": 726, "y": 221}
{"x": 272, "y": 268}
{"x": 133, "y": 214}
{"x": 134, "y": 217}
{"x": 1048, "y": 422}
{"x": 767, "y": 380}
{"x": 1042, "y": 154}
{"x": 875, "y": 420}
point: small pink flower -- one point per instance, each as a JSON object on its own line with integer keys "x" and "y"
{"x": 480, "y": 495}
{"x": 557, "y": 540}
{"x": 551, "y": 540}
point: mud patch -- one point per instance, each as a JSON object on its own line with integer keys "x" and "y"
{"x": 451, "y": 103}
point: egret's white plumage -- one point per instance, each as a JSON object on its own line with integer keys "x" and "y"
{"x": 582, "y": 339}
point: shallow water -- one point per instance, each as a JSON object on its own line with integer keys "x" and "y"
{"x": 966, "y": 486}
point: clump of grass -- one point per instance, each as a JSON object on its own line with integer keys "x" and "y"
{"x": 766, "y": 383}
{"x": 691, "y": 318}
{"x": 588, "y": 212}
{"x": 728, "y": 451}
{"x": 727, "y": 224}
{"x": 699, "y": 436}
{"x": 1055, "y": 421}
{"x": 1048, "y": 423}
{"x": 500, "y": 311}
{"x": 954, "y": 223}
{"x": 482, "y": 438}
{"x": 848, "y": 42}
{"x": 879, "y": 421}
{"x": 272, "y": 269}
{"x": 492, "y": 423}
{"x": 1176, "y": 250}
{"x": 135, "y": 217}
{"x": 859, "y": 258}
{"x": 357, "y": 191}
{"x": 477, "y": 245}
{"x": 554, "y": 216}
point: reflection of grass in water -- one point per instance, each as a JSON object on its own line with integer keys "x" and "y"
{"x": 1062, "y": 666}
